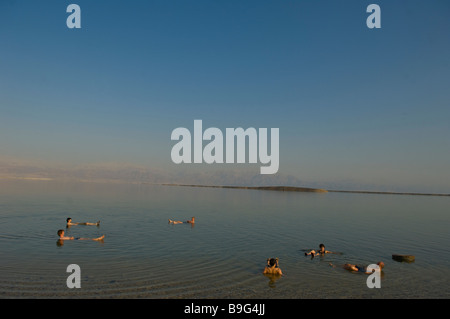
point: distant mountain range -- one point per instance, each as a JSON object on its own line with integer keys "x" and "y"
{"x": 14, "y": 169}
{"x": 130, "y": 173}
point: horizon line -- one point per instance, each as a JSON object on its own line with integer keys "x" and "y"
{"x": 305, "y": 189}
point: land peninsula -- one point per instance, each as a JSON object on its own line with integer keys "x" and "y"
{"x": 304, "y": 189}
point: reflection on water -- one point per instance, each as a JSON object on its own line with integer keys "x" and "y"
{"x": 223, "y": 256}
{"x": 273, "y": 278}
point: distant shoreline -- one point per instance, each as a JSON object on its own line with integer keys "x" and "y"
{"x": 266, "y": 188}
{"x": 305, "y": 189}
{"x": 388, "y": 193}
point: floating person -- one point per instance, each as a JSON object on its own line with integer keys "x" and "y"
{"x": 322, "y": 251}
{"x": 272, "y": 267}
{"x": 70, "y": 223}
{"x": 62, "y": 237}
{"x": 191, "y": 221}
{"x": 357, "y": 268}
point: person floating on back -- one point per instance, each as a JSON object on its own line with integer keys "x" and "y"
{"x": 358, "y": 268}
{"x": 272, "y": 267}
{"x": 321, "y": 251}
{"x": 62, "y": 237}
{"x": 70, "y": 223}
{"x": 191, "y": 221}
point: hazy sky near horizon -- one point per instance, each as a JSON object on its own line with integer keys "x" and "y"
{"x": 353, "y": 104}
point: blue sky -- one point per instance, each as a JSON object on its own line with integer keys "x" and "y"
{"x": 355, "y": 106}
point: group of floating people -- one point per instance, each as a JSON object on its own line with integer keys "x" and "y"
{"x": 273, "y": 268}
{"x": 69, "y": 222}
{"x": 61, "y": 232}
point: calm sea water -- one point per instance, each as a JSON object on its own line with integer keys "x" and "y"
{"x": 223, "y": 255}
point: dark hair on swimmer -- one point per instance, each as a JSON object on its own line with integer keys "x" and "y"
{"x": 68, "y": 218}
{"x": 60, "y": 232}
{"x": 321, "y": 245}
{"x": 272, "y": 262}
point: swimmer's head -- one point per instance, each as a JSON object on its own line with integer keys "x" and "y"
{"x": 380, "y": 264}
{"x": 68, "y": 219}
{"x": 60, "y": 232}
{"x": 272, "y": 262}
{"x": 322, "y": 247}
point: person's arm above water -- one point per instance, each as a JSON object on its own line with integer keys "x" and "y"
{"x": 66, "y": 238}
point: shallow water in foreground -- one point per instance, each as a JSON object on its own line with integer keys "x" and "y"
{"x": 223, "y": 255}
